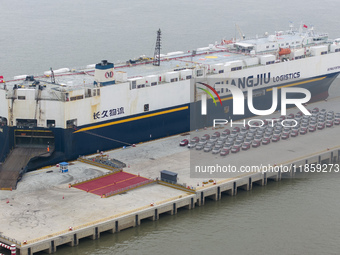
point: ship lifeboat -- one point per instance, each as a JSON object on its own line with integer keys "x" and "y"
{"x": 227, "y": 41}
{"x": 284, "y": 51}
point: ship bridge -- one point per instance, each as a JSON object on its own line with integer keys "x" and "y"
{"x": 244, "y": 47}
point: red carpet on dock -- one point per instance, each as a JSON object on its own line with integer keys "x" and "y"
{"x": 111, "y": 184}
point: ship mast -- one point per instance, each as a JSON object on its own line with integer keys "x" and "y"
{"x": 52, "y": 76}
{"x": 157, "y": 55}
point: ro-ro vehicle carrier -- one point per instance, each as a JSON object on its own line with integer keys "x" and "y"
{"x": 74, "y": 112}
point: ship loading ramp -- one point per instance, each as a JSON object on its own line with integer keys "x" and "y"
{"x": 14, "y": 166}
{"x": 113, "y": 183}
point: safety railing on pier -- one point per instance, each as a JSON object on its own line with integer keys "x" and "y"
{"x": 100, "y": 163}
{"x": 174, "y": 185}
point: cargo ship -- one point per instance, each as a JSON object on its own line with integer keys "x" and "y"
{"x": 71, "y": 112}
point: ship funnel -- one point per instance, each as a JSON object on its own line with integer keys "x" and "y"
{"x": 104, "y": 74}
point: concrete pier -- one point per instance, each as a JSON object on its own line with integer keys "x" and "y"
{"x": 153, "y": 211}
{"x": 114, "y": 225}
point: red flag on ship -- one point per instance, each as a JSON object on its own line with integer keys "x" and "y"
{"x": 304, "y": 26}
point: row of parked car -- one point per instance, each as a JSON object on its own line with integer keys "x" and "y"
{"x": 232, "y": 141}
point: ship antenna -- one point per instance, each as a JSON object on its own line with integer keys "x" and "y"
{"x": 157, "y": 55}
{"x": 52, "y": 76}
{"x": 291, "y": 26}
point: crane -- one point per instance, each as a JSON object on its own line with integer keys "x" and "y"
{"x": 242, "y": 36}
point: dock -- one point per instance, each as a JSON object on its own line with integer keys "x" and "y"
{"x": 46, "y": 211}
